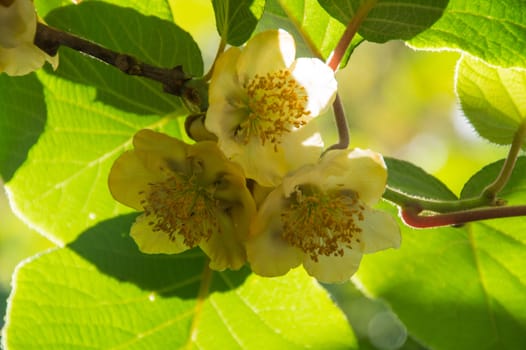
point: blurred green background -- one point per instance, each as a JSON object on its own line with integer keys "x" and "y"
{"x": 399, "y": 102}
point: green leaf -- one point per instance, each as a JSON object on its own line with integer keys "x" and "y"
{"x": 315, "y": 31}
{"x": 237, "y": 19}
{"x": 93, "y": 111}
{"x": 388, "y": 19}
{"x": 413, "y": 180}
{"x": 101, "y": 292}
{"x": 459, "y": 288}
{"x": 492, "y": 98}
{"x": 492, "y": 30}
{"x": 514, "y": 191}
{"x": 158, "y": 8}
{"x": 22, "y": 121}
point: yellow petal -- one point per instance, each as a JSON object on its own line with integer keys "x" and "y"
{"x": 268, "y": 254}
{"x": 224, "y": 84}
{"x": 154, "y": 242}
{"x": 362, "y": 171}
{"x": 266, "y": 52}
{"x": 225, "y": 249}
{"x": 379, "y": 231}
{"x": 158, "y": 151}
{"x": 17, "y": 24}
{"x": 333, "y": 269}
{"x": 128, "y": 176}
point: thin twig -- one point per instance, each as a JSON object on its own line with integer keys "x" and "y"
{"x": 496, "y": 186}
{"x": 173, "y": 79}
{"x": 341, "y": 125}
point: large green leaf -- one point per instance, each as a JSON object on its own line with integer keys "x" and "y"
{"x": 22, "y": 111}
{"x": 158, "y": 8}
{"x": 92, "y": 112}
{"x": 100, "y": 292}
{"x": 459, "y": 288}
{"x": 492, "y": 98}
{"x": 314, "y": 29}
{"x": 413, "y": 180}
{"x": 237, "y": 19}
{"x": 492, "y": 30}
{"x": 388, "y": 19}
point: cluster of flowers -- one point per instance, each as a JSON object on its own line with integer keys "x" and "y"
{"x": 18, "y": 25}
{"x": 256, "y": 187}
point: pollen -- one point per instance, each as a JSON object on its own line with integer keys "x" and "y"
{"x": 276, "y": 104}
{"x": 322, "y": 223}
{"x": 178, "y": 206}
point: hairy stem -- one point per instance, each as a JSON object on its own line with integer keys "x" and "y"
{"x": 350, "y": 31}
{"x": 440, "y": 206}
{"x": 173, "y": 79}
{"x": 496, "y": 186}
{"x": 412, "y": 218}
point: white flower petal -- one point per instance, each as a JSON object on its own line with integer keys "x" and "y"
{"x": 333, "y": 269}
{"x": 319, "y": 82}
{"x": 379, "y": 231}
{"x": 266, "y": 52}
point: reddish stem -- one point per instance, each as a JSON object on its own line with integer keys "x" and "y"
{"x": 412, "y": 218}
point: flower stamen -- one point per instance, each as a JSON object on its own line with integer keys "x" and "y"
{"x": 179, "y": 206}
{"x": 276, "y": 104}
{"x": 322, "y": 223}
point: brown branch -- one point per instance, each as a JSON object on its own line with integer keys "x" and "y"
{"x": 173, "y": 79}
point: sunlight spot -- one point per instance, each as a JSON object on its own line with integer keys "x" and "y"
{"x": 151, "y": 297}
{"x": 92, "y": 216}
{"x": 314, "y": 140}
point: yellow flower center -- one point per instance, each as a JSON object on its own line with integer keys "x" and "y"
{"x": 322, "y": 223}
{"x": 178, "y": 206}
{"x": 276, "y": 104}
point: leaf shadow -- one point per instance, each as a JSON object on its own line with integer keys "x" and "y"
{"x": 125, "y": 30}
{"x": 113, "y": 252}
{"x": 23, "y": 115}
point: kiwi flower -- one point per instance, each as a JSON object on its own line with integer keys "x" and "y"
{"x": 190, "y": 195}
{"x": 18, "y": 24}
{"x": 321, "y": 217}
{"x": 259, "y": 97}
